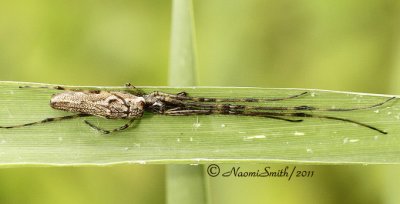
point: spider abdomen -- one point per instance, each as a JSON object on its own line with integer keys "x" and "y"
{"x": 111, "y": 105}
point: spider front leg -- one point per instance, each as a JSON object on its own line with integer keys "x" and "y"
{"x": 183, "y": 96}
{"x": 179, "y": 112}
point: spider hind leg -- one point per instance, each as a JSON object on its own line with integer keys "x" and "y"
{"x": 104, "y": 131}
{"x": 46, "y": 120}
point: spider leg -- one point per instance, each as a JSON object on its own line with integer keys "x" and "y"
{"x": 255, "y": 100}
{"x": 128, "y": 85}
{"x": 269, "y": 108}
{"x": 281, "y": 118}
{"x": 104, "y": 131}
{"x": 343, "y": 109}
{"x": 128, "y": 88}
{"x": 62, "y": 88}
{"x": 229, "y": 110}
{"x": 307, "y": 115}
{"x": 47, "y": 120}
{"x": 133, "y": 90}
{"x": 226, "y": 110}
{"x": 182, "y": 96}
{"x": 174, "y": 112}
{"x": 175, "y": 109}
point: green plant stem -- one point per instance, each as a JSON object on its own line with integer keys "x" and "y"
{"x": 185, "y": 183}
{"x": 182, "y": 67}
{"x": 392, "y": 172}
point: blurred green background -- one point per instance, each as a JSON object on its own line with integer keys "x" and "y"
{"x": 339, "y": 45}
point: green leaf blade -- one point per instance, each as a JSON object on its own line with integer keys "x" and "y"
{"x": 201, "y": 139}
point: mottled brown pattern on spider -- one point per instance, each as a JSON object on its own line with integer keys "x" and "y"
{"x": 131, "y": 104}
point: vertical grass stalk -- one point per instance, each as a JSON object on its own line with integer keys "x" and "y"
{"x": 185, "y": 183}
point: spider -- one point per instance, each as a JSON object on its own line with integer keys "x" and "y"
{"x": 131, "y": 103}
